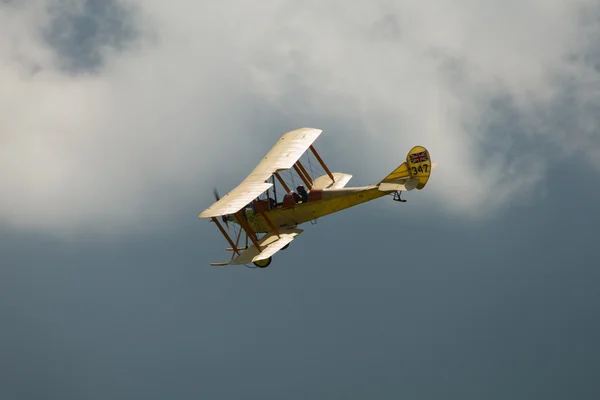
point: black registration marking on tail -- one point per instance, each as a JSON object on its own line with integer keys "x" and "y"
{"x": 422, "y": 169}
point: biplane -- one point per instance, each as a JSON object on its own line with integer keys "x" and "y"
{"x": 268, "y": 212}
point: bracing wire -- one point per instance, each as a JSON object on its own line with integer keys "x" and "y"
{"x": 292, "y": 178}
{"x": 316, "y": 170}
{"x": 310, "y": 168}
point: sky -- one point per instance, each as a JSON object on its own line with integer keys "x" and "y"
{"x": 117, "y": 119}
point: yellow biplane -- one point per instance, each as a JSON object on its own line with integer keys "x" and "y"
{"x": 270, "y": 223}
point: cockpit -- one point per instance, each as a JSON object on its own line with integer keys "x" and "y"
{"x": 299, "y": 196}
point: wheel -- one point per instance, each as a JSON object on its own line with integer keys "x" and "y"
{"x": 263, "y": 263}
{"x": 285, "y": 247}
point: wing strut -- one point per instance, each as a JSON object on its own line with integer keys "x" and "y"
{"x": 249, "y": 232}
{"x": 274, "y": 189}
{"x": 285, "y": 187}
{"x": 301, "y": 175}
{"x": 305, "y": 172}
{"x": 273, "y": 228}
{"x": 233, "y": 246}
{"x": 318, "y": 157}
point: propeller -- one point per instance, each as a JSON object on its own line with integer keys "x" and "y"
{"x": 217, "y": 198}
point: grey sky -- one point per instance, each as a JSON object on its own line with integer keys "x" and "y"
{"x": 120, "y": 119}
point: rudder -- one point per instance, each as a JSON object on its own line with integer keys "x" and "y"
{"x": 412, "y": 174}
{"x": 419, "y": 165}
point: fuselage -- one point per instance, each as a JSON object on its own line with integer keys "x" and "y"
{"x": 318, "y": 205}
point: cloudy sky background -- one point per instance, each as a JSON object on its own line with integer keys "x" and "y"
{"x": 118, "y": 117}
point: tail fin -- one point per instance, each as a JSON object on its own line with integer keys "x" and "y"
{"x": 412, "y": 174}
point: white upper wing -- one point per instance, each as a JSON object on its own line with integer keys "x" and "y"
{"x": 282, "y": 156}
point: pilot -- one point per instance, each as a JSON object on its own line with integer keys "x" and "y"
{"x": 290, "y": 199}
{"x": 303, "y": 193}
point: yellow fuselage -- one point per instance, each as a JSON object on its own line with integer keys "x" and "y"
{"x": 332, "y": 201}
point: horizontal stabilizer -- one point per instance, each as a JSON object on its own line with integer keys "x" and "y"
{"x": 398, "y": 180}
{"x": 325, "y": 182}
{"x": 399, "y": 186}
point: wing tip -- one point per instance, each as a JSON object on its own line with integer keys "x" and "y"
{"x": 304, "y": 130}
{"x": 206, "y": 214}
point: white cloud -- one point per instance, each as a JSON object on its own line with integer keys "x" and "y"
{"x": 163, "y": 118}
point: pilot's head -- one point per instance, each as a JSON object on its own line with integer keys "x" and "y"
{"x": 300, "y": 189}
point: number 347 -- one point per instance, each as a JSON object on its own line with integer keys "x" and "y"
{"x": 422, "y": 169}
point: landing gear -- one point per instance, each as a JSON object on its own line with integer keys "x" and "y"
{"x": 263, "y": 263}
{"x": 398, "y": 198}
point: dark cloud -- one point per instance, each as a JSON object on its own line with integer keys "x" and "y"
{"x": 573, "y": 114}
{"x": 385, "y": 300}
{"x": 479, "y": 310}
{"x": 81, "y": 35}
